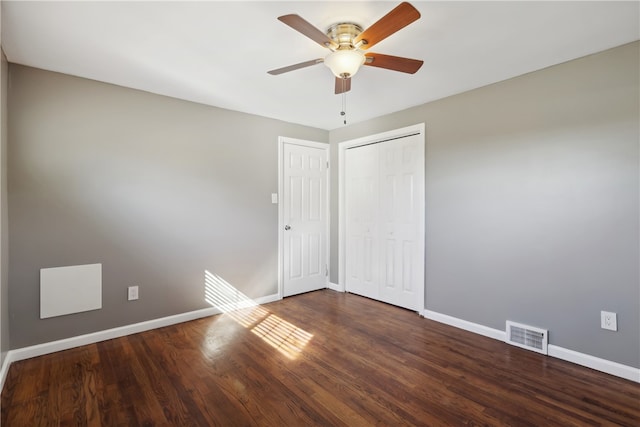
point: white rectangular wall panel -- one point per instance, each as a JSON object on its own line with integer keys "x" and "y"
{"x": 67, "y": 290}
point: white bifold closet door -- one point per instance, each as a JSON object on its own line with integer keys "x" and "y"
{"x": 384, "y": 190}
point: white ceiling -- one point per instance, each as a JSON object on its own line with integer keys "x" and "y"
{"x": 218, "y": 53}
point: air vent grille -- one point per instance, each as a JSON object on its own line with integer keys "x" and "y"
{"x": 528, "y": 337}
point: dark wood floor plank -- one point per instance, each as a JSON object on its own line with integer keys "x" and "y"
{"x": 322, "y": 358}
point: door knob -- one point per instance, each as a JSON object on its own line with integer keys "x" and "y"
{"x": 287, "y": 227}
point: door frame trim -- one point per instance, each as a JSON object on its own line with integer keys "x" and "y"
{"x": 282, "y": 140}
{"x": 366, "y": 140}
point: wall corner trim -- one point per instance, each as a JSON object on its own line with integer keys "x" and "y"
{"x": 5, "y": 369}
{"x": 612, "y": 368}
{"x": 335, "y": 287}
{"x": 80, "y": 340}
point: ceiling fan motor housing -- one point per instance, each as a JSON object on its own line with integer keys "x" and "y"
{"x": 343, "y": 34}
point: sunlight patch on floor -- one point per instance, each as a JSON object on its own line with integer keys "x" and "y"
{"x": 247, "y": 317}
{"x": 284, "y": 336}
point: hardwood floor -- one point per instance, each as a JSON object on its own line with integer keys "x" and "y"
{"x": 321, "y": 358}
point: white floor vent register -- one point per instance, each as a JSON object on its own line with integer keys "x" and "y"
{"x": 528, "y": 337}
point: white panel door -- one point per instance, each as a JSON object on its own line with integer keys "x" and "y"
{"x": 362, "y": 220}
{"x": 305, "y": 219}
{"x": 401, "y": 246}
{"x": 384, "y": 221}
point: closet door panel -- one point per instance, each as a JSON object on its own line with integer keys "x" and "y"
{"x": 362, "y": 188}
{"x": 400, "y": 171}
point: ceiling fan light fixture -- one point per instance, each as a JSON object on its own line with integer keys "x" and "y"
{"x": 344, "y": 63}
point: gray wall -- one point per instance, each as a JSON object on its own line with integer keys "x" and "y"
{"x": 532, "y": 192}
{"x": 156, "y": 189}
{"x": 532, "y": 200}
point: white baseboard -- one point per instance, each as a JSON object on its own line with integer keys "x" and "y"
{"x": 602, "y": 365}
{"x": 67, "y": 343}
{"x": 496, "y": 334}
{"x": 335, "y": 287}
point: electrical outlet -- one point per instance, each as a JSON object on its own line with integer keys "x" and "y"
{"x": 608, "y": 320}
{"x": 133, "y": 293}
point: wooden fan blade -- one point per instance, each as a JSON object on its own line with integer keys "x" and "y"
{"x": 300, "y": 25}
{"x": 295, "y": 66}
{"x": 343, "y": 85}
{"x": 395, "y": 63}
{"x": 403, "y": 15}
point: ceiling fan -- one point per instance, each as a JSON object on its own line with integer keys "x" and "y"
{"x": 348, "y": 43}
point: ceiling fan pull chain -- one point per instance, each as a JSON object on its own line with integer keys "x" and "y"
{"x": 343, "y": 113}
